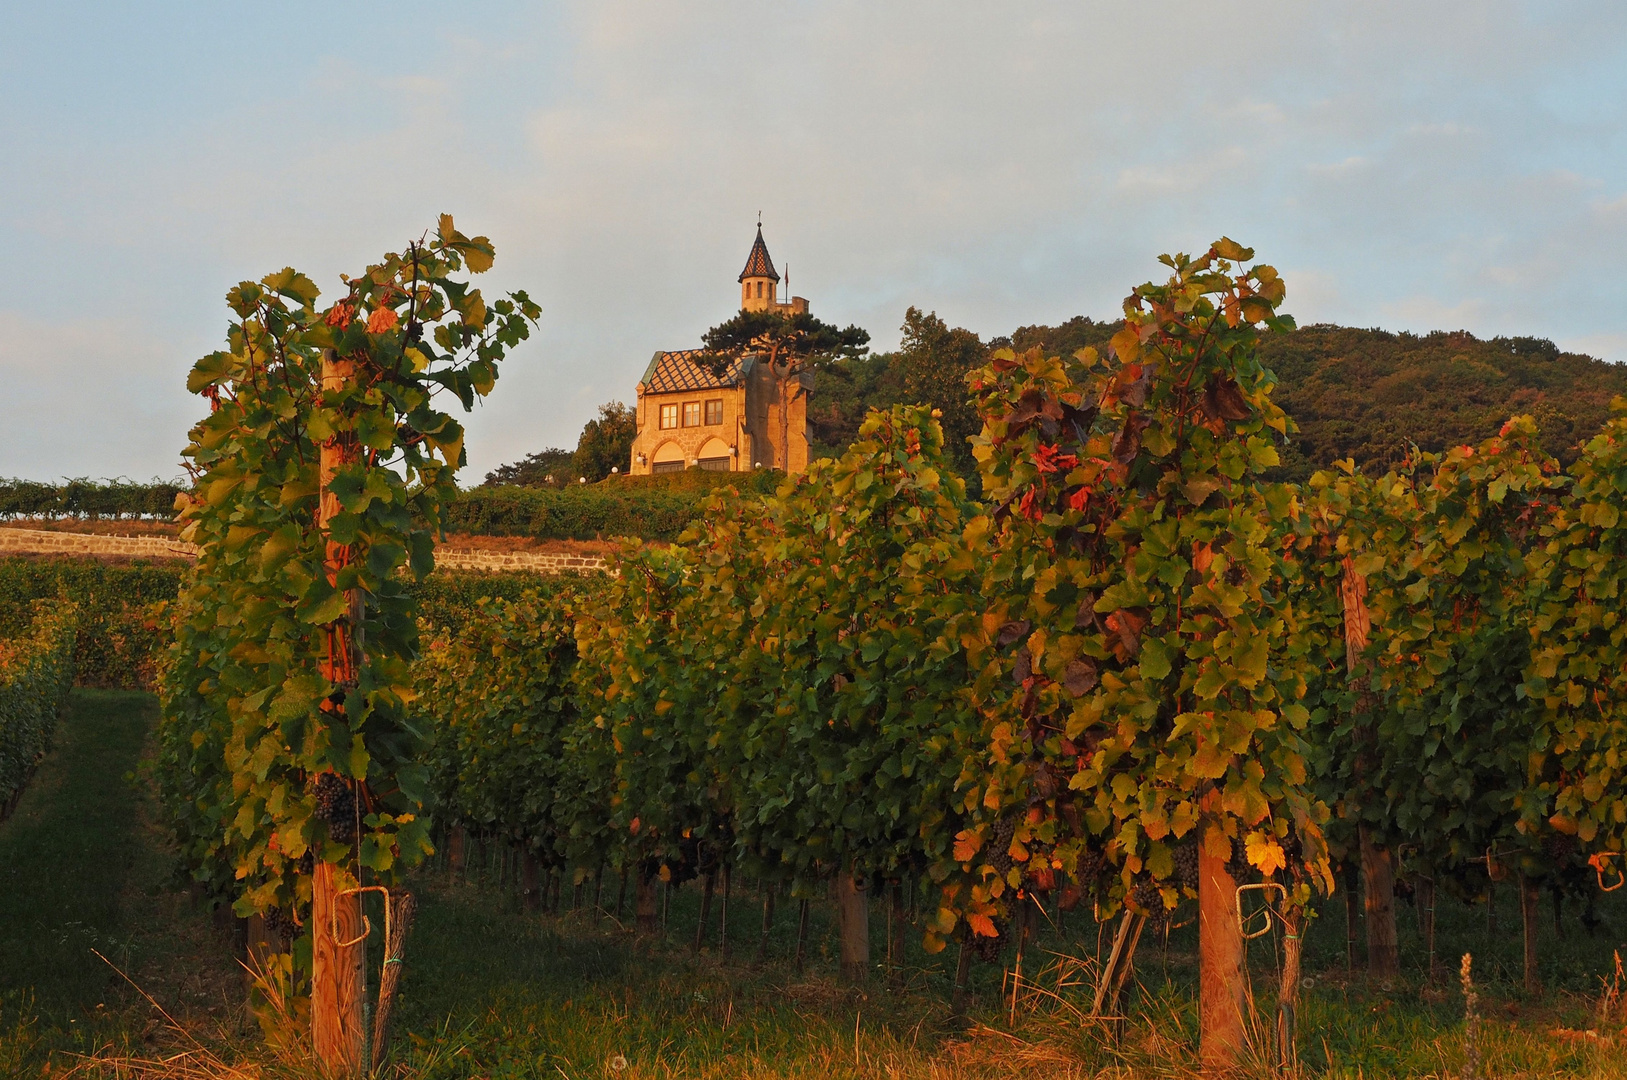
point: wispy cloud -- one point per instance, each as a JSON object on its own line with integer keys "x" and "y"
{"x": 1000, "y": 165}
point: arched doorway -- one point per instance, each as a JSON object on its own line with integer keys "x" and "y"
{"x": 715, "y": 456}
{"x": 668, "y": 457}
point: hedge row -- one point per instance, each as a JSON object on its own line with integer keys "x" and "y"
{"x": 656, "y": 508}
{"x": 36, "y": 672}
{"x": 84, "y": 498}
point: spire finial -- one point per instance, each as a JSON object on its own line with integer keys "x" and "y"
{"x": 759, "y": 221}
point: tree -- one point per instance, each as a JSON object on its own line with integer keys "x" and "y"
{"x": 789, "y": 345}
{"x": 933, "y": 361}
{"x": 541, "y": 469}
{"x": 606, "y": 442}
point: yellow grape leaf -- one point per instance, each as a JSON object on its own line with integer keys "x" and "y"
{"x": 967, "y": 845}
{"x": 1265, "y": 854}
{"x": 1126, "y": 343}
{"x": 982, "y": 925}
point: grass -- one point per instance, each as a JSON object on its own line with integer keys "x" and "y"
{"x": 493, "y": 992}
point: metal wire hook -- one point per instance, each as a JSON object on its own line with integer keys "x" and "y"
{"x": 1266, "y": 911}
{"x": 1599, "y": 861}
{"x": 367, "y": 925}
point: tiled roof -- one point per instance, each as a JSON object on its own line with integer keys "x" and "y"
{"x": 758, "y": 264}
{"x": 676, "y": 372}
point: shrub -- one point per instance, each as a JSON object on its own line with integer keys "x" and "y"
{"x": 650, "y": 508}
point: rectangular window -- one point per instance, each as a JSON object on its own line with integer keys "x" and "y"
{"x": 669, "y": 416}
{"x": 714, "y": 411}
{"x": 692, "y": 414}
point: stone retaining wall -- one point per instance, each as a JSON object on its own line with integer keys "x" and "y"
{"x": 543, "y": 561}
{"x": 46, "y": 542}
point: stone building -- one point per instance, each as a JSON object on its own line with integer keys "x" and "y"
{"x": 691, "y": 418}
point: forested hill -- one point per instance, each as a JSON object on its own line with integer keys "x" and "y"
{"x": 1365, "y": 394}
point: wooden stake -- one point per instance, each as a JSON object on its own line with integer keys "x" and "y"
{"x": 402, "y": 909}
{"x": 1530, "y": 898}
{"x": 853, "y": 914}
{"x": 338, "y": 1033}
{"x": 454, "y": 850}
{"x": 706, "y": 910}
{"x": 337, "y": 979}
{"x": 1425, "y": 895}
{"x": 1288, "y": 992}
{"x": 644, "y": 905}
{"x": 1377, "y": 867}
{"x": 530, "y": 882}
{"x": 1351, "y": 883}
{"x": 963, "y": 975}
{"x": 1378, "y": 898}
{"x": 1221, "y": 989}
{"x": 768, "y": 924}
{"x": 802, "y": 934}
{"x": 723, "y": 917}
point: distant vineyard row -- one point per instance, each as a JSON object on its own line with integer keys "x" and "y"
{"x": 648, "y": 508}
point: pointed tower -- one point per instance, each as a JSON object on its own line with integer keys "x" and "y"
{"x": 759, "y": 281}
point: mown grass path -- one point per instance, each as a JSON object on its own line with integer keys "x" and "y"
{"x": 66, "y": 858}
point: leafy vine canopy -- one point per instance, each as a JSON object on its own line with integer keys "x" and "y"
{"x": 248, "y": 696}
{"x": 1134, "y": 666}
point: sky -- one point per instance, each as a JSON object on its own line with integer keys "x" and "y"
{"x": 1415, "y": 166}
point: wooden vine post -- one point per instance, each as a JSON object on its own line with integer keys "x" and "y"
{"x": 338, "y": 978}
{"x": 853, "y": 916}
{"x": 1221, "y": 986}
{"x": 1378, "y": 873}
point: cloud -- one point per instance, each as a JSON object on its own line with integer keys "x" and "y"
{"x": 1000, "y": 165}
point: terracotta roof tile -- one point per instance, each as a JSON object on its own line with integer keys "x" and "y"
{"x": 676, "y": 372}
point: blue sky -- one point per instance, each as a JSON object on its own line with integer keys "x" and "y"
{"x": 1407, "y": 165}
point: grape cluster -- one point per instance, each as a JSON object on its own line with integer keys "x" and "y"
{"x": 989, "y": 948}
{"x": 1186, "y": 865}
{"x": 1238, "y": 865}
{"x": 1146, "y": 897}
{"x": 1293, "y": 849}
{"x": 336, "y": 807}
{"x": 1558, "y": 848}
{"x": 280, "y": 928}
{"x": 1000, "y": 845}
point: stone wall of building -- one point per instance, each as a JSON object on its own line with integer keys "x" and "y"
{"x": 47, "y": 542}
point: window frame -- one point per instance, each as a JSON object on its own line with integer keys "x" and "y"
{"x": 661, "y": 422}
{"x": 712, "y": 407}
{"x": 692, "y": 405}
